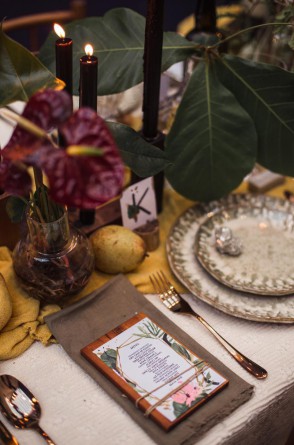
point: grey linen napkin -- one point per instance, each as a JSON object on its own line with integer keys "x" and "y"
{"x": 118, "y": 300}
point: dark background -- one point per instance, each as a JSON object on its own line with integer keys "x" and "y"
{"x": 175, "y": 10}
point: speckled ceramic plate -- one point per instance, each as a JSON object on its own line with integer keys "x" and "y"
{"x": 264, "y": 266}
{"x": 182, "y": 260}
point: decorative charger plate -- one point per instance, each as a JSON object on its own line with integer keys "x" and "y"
{"x": 182, "y": 260}
{"x": 267, "y": 237}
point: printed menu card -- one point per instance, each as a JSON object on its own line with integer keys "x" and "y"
{"x": 159, "y": 374}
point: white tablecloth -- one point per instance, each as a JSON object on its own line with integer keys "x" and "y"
{"x": 75, "y": 411}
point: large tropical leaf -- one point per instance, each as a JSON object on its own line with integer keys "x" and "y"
{"x": 21, "y": 73}
{"x": 266, "y": 92}
{"x": 212, "y": 143}
{"x": 143, "y": 158}
{"x": 118, "y": 41}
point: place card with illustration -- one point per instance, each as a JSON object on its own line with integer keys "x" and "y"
{"x": 138, "y": 204}
{"x": 160, "y": 375}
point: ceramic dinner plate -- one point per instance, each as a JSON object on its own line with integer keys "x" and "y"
{"x": 182, "y": 260}
{"x": 267, "y": 237}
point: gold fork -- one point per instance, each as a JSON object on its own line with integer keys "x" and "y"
{"x": 173, "y": 301}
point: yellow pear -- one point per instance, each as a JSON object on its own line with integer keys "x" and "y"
{"x": 5, "y": 303}
{"x": 117, "y": 249}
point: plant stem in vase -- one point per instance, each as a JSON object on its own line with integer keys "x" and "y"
{"x": 54, "y": 260}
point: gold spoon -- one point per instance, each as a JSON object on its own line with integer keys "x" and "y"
{"x": 20, "y": 406}
{"x": 6, "y": 438}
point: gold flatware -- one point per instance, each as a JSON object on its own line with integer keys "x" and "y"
{"x": 173, "y": 301}
{"x": 20, "y": 406}
{"x": 6, "y": 438}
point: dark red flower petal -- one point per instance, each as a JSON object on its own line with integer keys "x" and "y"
{"x": 14, "y": 178}
{"x": 22, "y": 153}
{"x": 47, "y": 109}
{"x": 85, "y": 127}
{"x": 77, "y": 181}
{"x": 88, "y": 181}
{"x": 82, "y": 182}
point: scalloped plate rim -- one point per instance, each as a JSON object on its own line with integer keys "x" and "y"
{"x": 250, "y": 314}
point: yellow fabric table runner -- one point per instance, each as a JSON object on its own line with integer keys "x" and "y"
{"x": 27, "y": 321}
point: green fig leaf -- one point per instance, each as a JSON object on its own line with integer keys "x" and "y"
{"x": 118, "y": 41}
{"x": 143, "y": 158}
{"x": 212, "y": 142}
{"x": 266, "y": 92}
{"x": 21, "y": 73}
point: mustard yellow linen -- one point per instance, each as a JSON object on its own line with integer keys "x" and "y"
{"x": 5, "y": 303}
{"x": 226, "y": 15}
{"x": 27, "y": 321}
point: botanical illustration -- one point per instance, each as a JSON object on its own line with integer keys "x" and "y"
{"x": 194, "y": 381}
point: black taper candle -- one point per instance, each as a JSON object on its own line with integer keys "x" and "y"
{"x": 205, "y": 16}
{"x": 152, "y": 76}
{"x": 63, "y": 53}
{"x": 152, "y": 67}
{"x": 88, "y": 81}
{"x": 205, "y": 29}
{"x": 63, "y": 59}
{"x": 88, "y": 98}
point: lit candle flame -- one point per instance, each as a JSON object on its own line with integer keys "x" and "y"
{"x": 59, "y": 30}
{"x": 89, "y": 50}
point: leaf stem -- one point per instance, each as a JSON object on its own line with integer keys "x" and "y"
{"x": 38, "y": 177}
{"x": 35, "y": 209}
{"x": 26, "y": 124}
{"x": 39, "y": 214}
{"x": 249, "y": 29}
{"x": 44, "y": 203}
{"x": 40, "y": 186}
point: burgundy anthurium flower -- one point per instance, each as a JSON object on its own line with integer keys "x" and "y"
{"x": 83, "y": 181}
{"x": 81, "y": 178}
{"x": 47, "y": 109}
{"x": 14, "y": 178}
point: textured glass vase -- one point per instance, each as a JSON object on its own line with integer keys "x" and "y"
{"x": 53, "y": 261}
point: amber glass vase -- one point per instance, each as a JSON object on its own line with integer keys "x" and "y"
{"x": 54, "y": 260}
